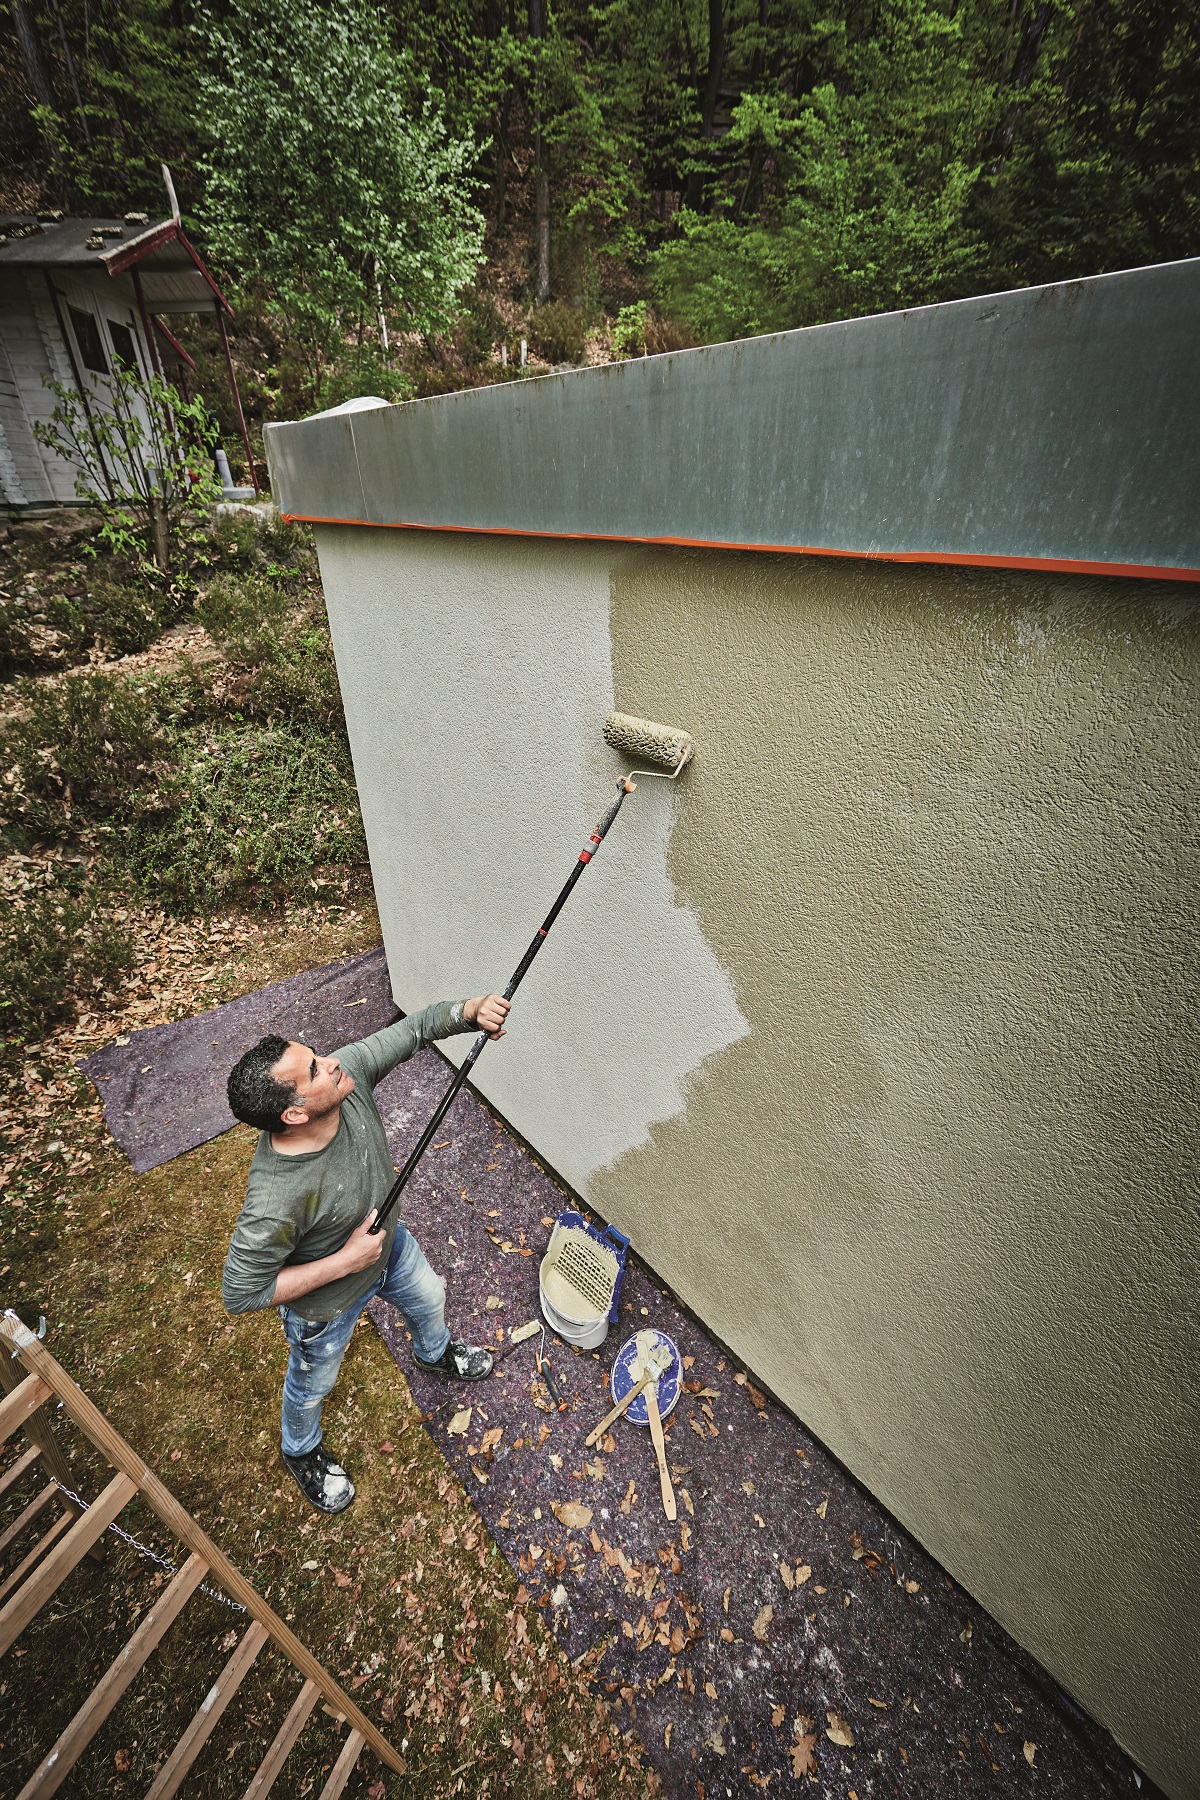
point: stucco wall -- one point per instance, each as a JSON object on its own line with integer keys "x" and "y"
{"x": 878, "y": 1032}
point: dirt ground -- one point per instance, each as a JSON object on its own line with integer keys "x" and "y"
{"x": 404, "y": 1597}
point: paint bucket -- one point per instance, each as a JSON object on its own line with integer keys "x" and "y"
{"x": 577, "y": 1283}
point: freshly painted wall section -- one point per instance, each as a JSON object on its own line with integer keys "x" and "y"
{"x": 878, "y": 1032}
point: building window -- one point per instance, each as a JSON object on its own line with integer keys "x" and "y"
{"x": 86, "y": 327}
{"x": 123, "y": 347}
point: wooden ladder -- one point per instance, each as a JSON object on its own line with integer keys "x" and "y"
{"x": 78, "y": 1531}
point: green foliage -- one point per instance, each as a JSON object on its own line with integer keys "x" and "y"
{"x": 328, "y": 171}
{"x": 143, "y": 455}
{"x": 257, "y": 811}
{"x": 77, "y": 752}
{"x": 280, "y": 654}
{"x": 557, "y": 332}
{"x": 138, "y": 101}
{"x": 59, "y": 945}
{"x": 629, "y": 331}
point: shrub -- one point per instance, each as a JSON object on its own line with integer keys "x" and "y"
{"x": 557, "y": 332}
{"x": 257, "y": 812}
{"x": 279, "y": 649}
{"x": 480, "y": 327}
{"x": 78, "y": 752}
{"x": 128, "y": 607}
{"x": 57, "y": 947}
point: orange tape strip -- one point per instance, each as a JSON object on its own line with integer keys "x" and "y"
{"x": 1065, "y": 566}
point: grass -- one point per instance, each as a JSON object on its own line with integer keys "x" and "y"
{"x": 406, "y": 1597}
{"x": 174, "y": 833}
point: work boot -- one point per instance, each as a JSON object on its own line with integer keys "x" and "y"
{"x": 459, "y": 1362}
{"x": 322, "y": 1481}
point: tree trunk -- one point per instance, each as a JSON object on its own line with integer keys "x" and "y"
{"x": 35, "y": 72}
{"x": 542, "y": 186}
{"x": 541, "y": 178}
{"x": 708, "y": 95}
{"x": 1023, "y": 69}
{"x": 160, "y": 537}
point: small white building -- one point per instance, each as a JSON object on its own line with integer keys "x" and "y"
{"x": 78, "y": 299}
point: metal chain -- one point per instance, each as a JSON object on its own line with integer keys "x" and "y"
{"x": 145, "y": 1550}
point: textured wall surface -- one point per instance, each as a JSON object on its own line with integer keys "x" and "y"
{"x": 878, "y": 1034}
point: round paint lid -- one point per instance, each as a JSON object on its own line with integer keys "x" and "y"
{"x": 636, "y": 1349}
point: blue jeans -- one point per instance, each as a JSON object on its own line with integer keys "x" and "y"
{"x": 316, "y": 1348}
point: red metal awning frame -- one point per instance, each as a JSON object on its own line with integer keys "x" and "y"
{"x": 128, "y": 256}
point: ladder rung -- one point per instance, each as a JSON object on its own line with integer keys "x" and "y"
{"x": 16, "y": 1407}
{"x": 173, "y": 1771}
{"x": 289, "y": 1731}
{"x": 39, "y": 1550}
{"x": 28, "y": 1513}
{"x": 58, "y": 1763}
{"x": 343, "y": 1768}
{"x": 19, "y": 1467}
{"x": 25, "y": 1603}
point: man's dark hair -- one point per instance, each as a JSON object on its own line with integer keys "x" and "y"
{"x": 255, "y": 1096}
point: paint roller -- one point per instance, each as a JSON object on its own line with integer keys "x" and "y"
{"x": 645, "y": 742}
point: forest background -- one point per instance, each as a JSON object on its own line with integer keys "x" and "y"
{"x": 396, "y": 196}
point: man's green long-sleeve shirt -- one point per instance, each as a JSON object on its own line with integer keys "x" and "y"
{"x": 301, "y": 1208}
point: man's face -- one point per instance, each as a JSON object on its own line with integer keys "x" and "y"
{"x": 321, "y": 1083}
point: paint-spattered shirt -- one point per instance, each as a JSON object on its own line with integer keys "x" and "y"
{"x": 301, "y": 1208}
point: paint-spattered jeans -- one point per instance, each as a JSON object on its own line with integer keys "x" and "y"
{"x": 316, "y": 1350}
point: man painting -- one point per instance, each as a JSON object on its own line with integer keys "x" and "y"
{"x": 303, "y": 1241}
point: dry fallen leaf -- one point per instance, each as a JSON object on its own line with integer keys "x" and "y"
{"x": 714, "y": 1741}
{"x": 460, "y": 1424}
{"x": 574, "y": 1515}
{"x": 789, "y": 1579}
{"x": 821, "y": 1510}
{"x": 839, "y": 1731}
{"x": 881, "y": 1704}
{"x": 490, "y": 1439}
{"x": 710, "y": 1690}
{"x": 778, "y": 1715}
{"x": 803, "y": 1574}
{"x": 912, "y": 1587}
{"x": 803, "y": 1755}
{"x": 1030, "y": 1751}
{"x": 122, "y": 1760}
{"x": 762, "y": 1623}
{"x": 492, "y": 1302}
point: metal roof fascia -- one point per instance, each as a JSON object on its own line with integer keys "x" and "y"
{"x": 125, "y": 255}
{"x": 1048, "y": 427}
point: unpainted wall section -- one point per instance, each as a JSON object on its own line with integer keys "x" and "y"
{"x": 878, "y": 1033}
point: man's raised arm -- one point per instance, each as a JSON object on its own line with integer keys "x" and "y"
{"x": 374, "y": 1057}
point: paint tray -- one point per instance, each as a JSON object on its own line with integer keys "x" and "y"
{"x": 591, "y": 1261}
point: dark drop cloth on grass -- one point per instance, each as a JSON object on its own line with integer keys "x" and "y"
{"x": 163, "y": 1089}
{"x": 903, "y": 1684}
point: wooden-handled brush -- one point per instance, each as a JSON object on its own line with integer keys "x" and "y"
{"x": 658, "y": 1365}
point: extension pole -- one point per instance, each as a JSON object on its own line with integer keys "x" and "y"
{"x": 624, "y": 786}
